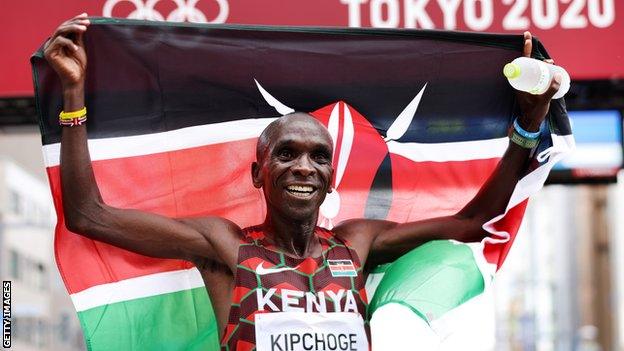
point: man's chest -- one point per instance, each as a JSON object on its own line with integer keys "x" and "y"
{"x": 310, "y": 305}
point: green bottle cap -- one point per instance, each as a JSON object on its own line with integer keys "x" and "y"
{"x": 511, "y": 71}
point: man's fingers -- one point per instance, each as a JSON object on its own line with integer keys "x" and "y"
{"x": 555, "y": 83}
{"x": 80, "y": 19}
{"x": 82, "y": 15}
{"x": 69, "y": 29}
{"x": 72, "y": 29}
{"x": 76, "y": 19}
{"x": 83, "y": 21}
{"x": 528, "y": 44}
{"x": 60, "y": 42}
{"x": 79, "y": 39}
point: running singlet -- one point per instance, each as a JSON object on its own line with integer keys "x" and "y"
{"x": 282, "y": 303}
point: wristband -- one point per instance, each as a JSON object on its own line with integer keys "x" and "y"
{"x": 520, "y": 140}
{"x": 524, "y": 133}
{"x": 68, "y": 116}
{"x": 73, "y": 118}
{"x": 78, "y": 121}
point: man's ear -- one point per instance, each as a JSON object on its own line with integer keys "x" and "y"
{"x": 256, "y": 177}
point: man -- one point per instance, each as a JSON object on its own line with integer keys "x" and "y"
{"x": 268, "y": 283}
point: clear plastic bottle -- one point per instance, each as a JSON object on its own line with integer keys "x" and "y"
{"x": 533, "y": 76}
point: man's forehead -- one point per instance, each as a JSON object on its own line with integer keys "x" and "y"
{"x": 302, "y": 126}
{"x": 301, "y": 129}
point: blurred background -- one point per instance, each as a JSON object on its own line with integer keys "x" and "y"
{"x": 562, "y": 286}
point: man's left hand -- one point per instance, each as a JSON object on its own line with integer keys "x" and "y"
{"x": 535, "y": 107}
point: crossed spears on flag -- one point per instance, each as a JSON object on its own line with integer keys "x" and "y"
{"x": 331, "y": 206}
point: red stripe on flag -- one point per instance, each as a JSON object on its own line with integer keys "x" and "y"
{"x": 423, "y": 190}
{"x": 208, "y": 180}
{"x": 431, "y": 189}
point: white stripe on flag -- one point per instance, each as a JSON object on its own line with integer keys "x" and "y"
{"x": 135, "y": 288}
{"x": 455, "y": 151}
{"x": 180, "y": 139}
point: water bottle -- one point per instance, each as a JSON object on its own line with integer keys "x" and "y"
{"x": 533, "y": 76}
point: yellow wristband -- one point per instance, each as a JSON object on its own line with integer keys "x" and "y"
{"x": 65, "y": 116}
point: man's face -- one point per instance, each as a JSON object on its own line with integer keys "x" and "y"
{"x": 295, "y": 171}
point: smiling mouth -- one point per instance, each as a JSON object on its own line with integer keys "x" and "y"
{"x": 300, "y": 190}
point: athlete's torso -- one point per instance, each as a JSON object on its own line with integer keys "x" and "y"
{"x": 296, "y": 304}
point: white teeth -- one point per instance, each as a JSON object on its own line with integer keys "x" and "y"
{"x": 298, "y": 194}
{"x": 300, "y": 188}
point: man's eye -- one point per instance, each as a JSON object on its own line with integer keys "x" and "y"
{"x": 321, "y": 158}
{"x": 287, "y": 154}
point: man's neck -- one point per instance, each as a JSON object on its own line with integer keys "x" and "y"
{"x": 297, "y": 238}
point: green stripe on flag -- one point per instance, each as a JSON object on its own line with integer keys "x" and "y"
{"x": 430, "y": 280}
{"x": 162, "y": 322}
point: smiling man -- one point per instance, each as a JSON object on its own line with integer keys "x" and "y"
{"x": 285, "y": 284}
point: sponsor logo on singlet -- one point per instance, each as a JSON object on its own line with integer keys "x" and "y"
{"x": 260, "y": 270}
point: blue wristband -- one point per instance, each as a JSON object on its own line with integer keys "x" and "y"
{"x": 524, "y": 133}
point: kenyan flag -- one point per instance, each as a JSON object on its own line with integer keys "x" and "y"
{"x": 419, "y": 120}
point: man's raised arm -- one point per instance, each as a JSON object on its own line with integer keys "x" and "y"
{"x": 85, "y": 212}
{"x": 386, "y": 241}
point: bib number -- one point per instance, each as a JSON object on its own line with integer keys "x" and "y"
{"x": 300, "y": 331}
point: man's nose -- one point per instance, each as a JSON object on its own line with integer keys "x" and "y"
{"x": 303, "y": 166}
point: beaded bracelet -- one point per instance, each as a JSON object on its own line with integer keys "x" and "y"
{"x": 73, "y": 122}
{"x": 73, "y": 118}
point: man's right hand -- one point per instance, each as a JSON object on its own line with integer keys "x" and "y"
{"x": 66, "y": 53}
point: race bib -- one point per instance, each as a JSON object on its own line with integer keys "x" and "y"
{"x": 300, "y": 331}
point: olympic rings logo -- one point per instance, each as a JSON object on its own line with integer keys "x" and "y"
{"x": 186, "y": 11}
